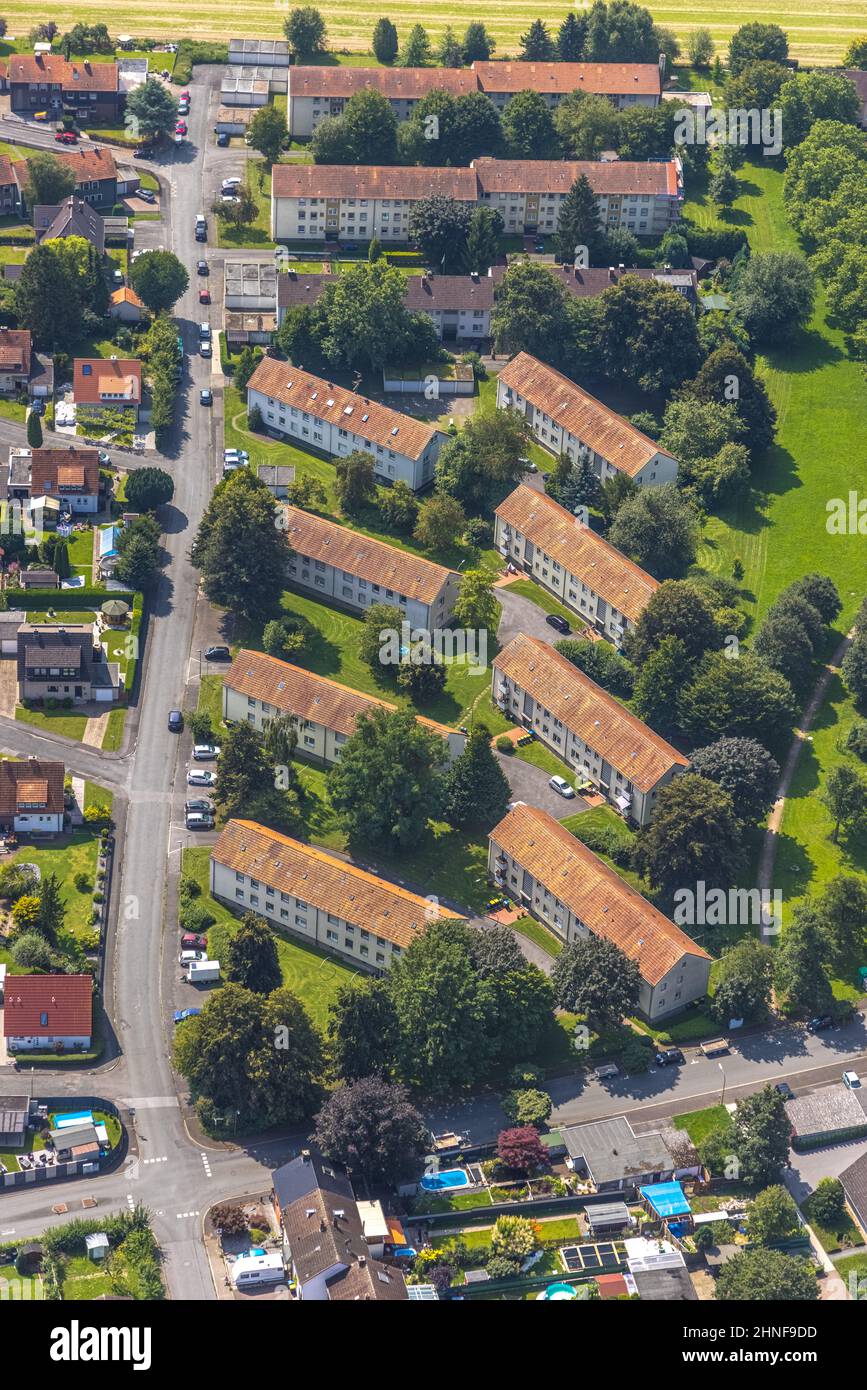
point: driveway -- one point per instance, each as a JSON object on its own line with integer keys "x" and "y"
{"x": 530, "y": 783}
{"x": 8, "y": 686}
{"x": 522, "y": 615}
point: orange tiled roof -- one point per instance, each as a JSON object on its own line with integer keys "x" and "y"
{"x": 66, "y": 1002}
{"x": 394, "y": 83}
{"x": 609, "y": 79}
{"x": 371, "y": 181}
{"x": 370, "y": 559}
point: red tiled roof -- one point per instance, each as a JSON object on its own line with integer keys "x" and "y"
{"x": 65, "y": 1001}
{"x": 53, "y": 468}
{"x": 394, "y": 83}
{"x": 115, "y": 376}
{"x": 15, "y": 350}
{"x": 608, "y": 79}
{"x": 615, "y": 176}
{"x": 371, "y": 181}
{"x": 30, "y": 781}
{"x": 78, "y": 75}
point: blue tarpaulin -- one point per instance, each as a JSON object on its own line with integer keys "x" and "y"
{"x": 666, "y": 1198}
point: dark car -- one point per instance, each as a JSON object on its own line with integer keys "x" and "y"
{"x": 147, "y": 195}
{"x": 554, "y": 620}
{"x": 785, "y": 1090}
{"x": 223, "y": 138}
{"x": 206, "y": 397}
{"x": 669, "y": 1057}
{"x": 539, "y": 248}
{"x": 176, "y": 721}
{"x": 218, "y": 654}
{"x": 201, "y": 804}
{"x": 201, "y": 267}
{"x": 818, "y": 1025}
{"x": 201, "y": 234}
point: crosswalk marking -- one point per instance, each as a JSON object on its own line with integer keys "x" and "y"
{"x": 207, "y": 1165}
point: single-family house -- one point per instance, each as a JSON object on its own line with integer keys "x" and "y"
{"x": 323, "y": 1236}
{"x": 101, "y": 383}
{"x": 93, "y": 168}
{"x": 10, "y": 193}
{"x": 72, "y": 217}
{"x": 303, "y": 407}
{"x": 50, "y": 1013}
{"x": 330, "y": 561}
{"x": 257, "y": 687}
{"x": 311, "y": 894}
{"x": 71, "y": 476}
{"x": 615, "y": 1159}
{"x": 65, "y": 662}
{"x": 535, "y": 861}
{"x": 566, "y": 556}
{"x": 126, "y": 306}
{"x": 15, "y": 360}
{"x": 593, "y": 733}
{"x": 565, "y": 419}
{"x": 31, "y": 796}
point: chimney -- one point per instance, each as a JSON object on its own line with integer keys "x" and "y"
{"x": 662, "y": 66}
{"x": 474, "y": 276}
{"x": 612, "y": 274}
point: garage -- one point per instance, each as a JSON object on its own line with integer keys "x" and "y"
{"x": 9, "y": 625}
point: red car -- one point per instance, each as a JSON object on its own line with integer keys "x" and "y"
{"x": 185, "y": 96}
{"x": 191, "y": 942}
{"x": 66, "y": 137}
{"x": 181, "y": 128}
{"x": 204, "y": 297}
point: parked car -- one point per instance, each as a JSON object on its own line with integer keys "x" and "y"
{"x": 186, "y": 957}
{"x": 669, "y": 1057}
{"x": 147, "y": 195}
{"x": 206, "y": 397}
{"x": 205, "y": 348}
{"x": 235, "y": 456}
{"x": 562, "y": 787}
{"x": 197, "y": 820}
{"x": 180, "y": 128}
{"x": 66, "y": 137}
{"x": 199, "y": 803}
{"x": 820, "y": 1024}
{"x": 228, "y": 184}
{"x": 204, "y": 296}
{"x": 229, "y": 198}
{"x": 852, "y": 1080}
{"x": 539, "y": 248}
{"x": 205, "y": 752}
{"x": 222, "y": 138}
{"x": 528, "y": 465}
{"x": 176, "y": 721}
{"x": 202, "y": 267}
{"x": 190, "y": 941}
{"x": 179, "y": 139}
{"x": 185, "y": 96}
{"x": 560, "y": 624}
{"x": 784, "y": 1090}
{"x": 204, "y": 330}
{"x": 181, "y": 1014}
{"x": 198, "y": 777}
{"x": 218, "y": 654}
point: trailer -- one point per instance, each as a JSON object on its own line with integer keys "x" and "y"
{"x": 717, "y": 1048}
{"x": 251, "y": 1271}
{"x": 203, "y": 972}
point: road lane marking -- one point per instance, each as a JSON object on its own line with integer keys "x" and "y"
{"x": 207, "y": 1165}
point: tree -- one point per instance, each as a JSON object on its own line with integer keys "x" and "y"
{"x": 478, "y": 45}
{"x": 384, "y": 42}
{"x": 784, "y": 645}
{"x": 477, "y": 791}
{"x": 537, "y": 46}
{"x": 139, "y": 552}
{"x": 361, "y": 321}
{"x": 399, "y": 507}
{"x": 854, "y": 667}
{"x": 856, "y": 55}
{"x": 845, "y": 796}
{"x": 287, "y": 636}
{"x": 46, "y": 301}
{"x": 762, "y": 1134}
{"x": 738, "y": 698}
{"x": 743, "y": 982}
{"x": 246, "y": 783}
{"x": 440, "y": 519}
{"x": 522, "y": 1150}
{"x": 305, "y": 30}
{"x": 842, "y": 909}
{"x": 355, "y": 483}
{"x": 528, "y": 1107}
{"x": 799, "y": 974}
{"x": 586, "y": 123}
{"x": 676, "y": 609}
{"x": 530, "y": 312}
{"x": 828, "y": 1203}
{"x": 61, "y": 562}
{"x": 743, "y": 768}
{"x": 250, "y": 959}
{"x": 362, "y": 1029}
{"x": 370, "y": 128}
{"x": 772, "y": 1216}
{"x": 724, "y": 187}
{"x": 695, "y": 833}
{"x": 700, "y": 47}
{"x": 475, "y": 607}
{"x": 449, "y": 51}
{"x": 151, "y": 110}
{"x": 482, "y": 464}
{"x": 726, "y": 377}
{"x": 388, "y": 782}
{"x": 483, "y": 240}
{"x": 756, "y": 88}
{"x": 754, "y": 43}
{"x": 439, "y": 226}
{"x": 601, "y": 662}
{"x": 34, "y": 430}
{"x": 620, "y": 32}
{"x": 373, "y": 1129}
{"x": 774, "y": 295}
{"x": 647, "y": 335}
{"x": 267, "y": 132}
{"x": 421, "y": 675}
{"x": 159, "y": 278}
{"x": 149, "y": 488}
{"x": 238, "y": 548}
{"x": 578, "y": 225}
{"x": 657, "y": 529}
{"x": 570, "y": 38}
{"x": 659, "y": 684}
{"x": 592, "y": 976}
{"x": 26, "y": 915}
{"x": 808, "y": 97}
{"x": 248, "y": 360}
{"x": 416, "y": 52}
{"x": 31, "y": 951}
{"x": 48, "y": 181}
{"x": 528, "y": 127}
{"x": 821, "y": 593}
{"x": 766, "y": 1276}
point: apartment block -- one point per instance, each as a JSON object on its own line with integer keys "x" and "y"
{"x": 458, "y": 306}
{"x": 645, "y": 197}
{"x": 257, "y": 688}
{"x": 592, "y": 732}
{"x": 356, "y": 571}
{"x": 317, "y": 897}
{"x": 565, "y": 419}
{"x": 335, "y": 421}
{"x": 537, "y": 862}
{"x": 571, "y": 561}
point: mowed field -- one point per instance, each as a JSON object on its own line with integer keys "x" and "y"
{"x": 819, "y": 30}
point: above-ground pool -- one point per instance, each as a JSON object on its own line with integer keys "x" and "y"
{"x": 405, "y": 1252}
{"x": 441, "y": 1182}
{"x": 69, "y": 1119}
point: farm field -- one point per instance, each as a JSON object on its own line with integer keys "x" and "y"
{"x": 817, "y": 34}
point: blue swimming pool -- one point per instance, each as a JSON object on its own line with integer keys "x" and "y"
{"x": 69, "y": 1119}
{"x": 442, "y": 1182}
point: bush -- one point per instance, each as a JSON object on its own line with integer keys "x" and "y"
{"x": 189, "y": 887}
{"x": 636, "y": 1057}
{"x": 524, "y": 1075}
{"x": 479, "y": 533}
{"x": 856, "y": 740}
{"x": 828, "y": 1202}
{"x": 82, "y": 883}
{"x": 505, "y": 744}
{"x": 499, "y": 1267}
{"x": 18, "y": 881}
{"x": 195, "y": 917}
{"x": 606, "y": 840}
{"x": 527, "y": 1107}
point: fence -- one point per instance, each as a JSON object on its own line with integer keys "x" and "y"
{"x": 58, "y": 1172}
{"x": 533, "y": 1207}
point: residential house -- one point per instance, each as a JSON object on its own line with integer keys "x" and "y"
{"x": 31, "y": 796}
{"x": 313, "y": 895}
{"x": 71, "y": 476}
{"x": 333, "y": 562}
{"x": 567, "y": 557}
{"x": 88, "y": 91}
{"x": 591, "y": 281}
{"x": 95, "y": 174}
{"x": 459, "y": 306}
{"x": 48, "y": 1013}
{"x": 324, "y": 1240}
{"x": 536, "y": 861}
{"x": 322, "y": 202}
{"x": 16, "y": 355}
{"x": 565, "y": 419}
{"x": 316, "y": 93}
{"x": 72, "y": 217}
{"x": 594, "y": 734}
{"x": 257, "y": 687}
{"x": 105, "y": 383}
{"x": 10, "y": 193}
{"x": 65, "y": 662}
{"x": 336, "y": 422}
{"x": 615, "y": 1159}
{"x": 126, "y": 306}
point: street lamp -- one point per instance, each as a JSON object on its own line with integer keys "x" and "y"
{"x": 723, "y": 1096}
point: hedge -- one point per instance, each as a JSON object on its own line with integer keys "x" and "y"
{"x": 43, "y": 599}
{"x": 712, "y": 244}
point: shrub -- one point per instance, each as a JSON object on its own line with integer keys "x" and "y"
{"x": 195, "y": 917}
{"x": 524, "y": 1075}
{"x": 527, "y": 1107}
{"x": 636, "y": 1057}
{"x": 505, "y": 745}
{"x": 499, "y": 1267}
{"x": 82, "y": 883}
{"x": 189, "y": 887}
{"x": 828, "y": 1202}
{"x": 857, "y": 739}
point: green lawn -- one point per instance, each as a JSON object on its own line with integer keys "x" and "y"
{"x": 211, "y": 699}
{"x": 539, "y": 935}
{"x": 82, "y": 1280}
{"x": 541, "y": 756}
{"x": 33, "y": 1142}
{"x": 59, "y": 721}
{"x": 701, "y": 1123}
{"x": 112, "y": 739}
{"x": 13, "y": 410}
{"x": 843, "y": 1235}
{"x": 74, "y": 853}
{"x": 853, "y": 1265}
{"x": 258, "y": 233}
